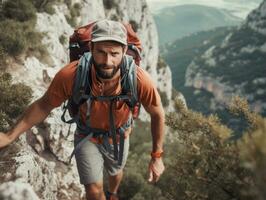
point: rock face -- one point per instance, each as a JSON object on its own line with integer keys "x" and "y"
{"x": 42, "y": 166}
{"x": 236, "y": 66}
{"x": 256, "y": 19}
{"x": 14, "y": 190}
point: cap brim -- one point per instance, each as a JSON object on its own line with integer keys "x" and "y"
{"x": 101, "y": 39}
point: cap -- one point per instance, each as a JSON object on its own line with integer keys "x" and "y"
{"x": 106, "y": 30}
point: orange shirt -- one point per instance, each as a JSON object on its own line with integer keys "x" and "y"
{"x": 61, "y": 89}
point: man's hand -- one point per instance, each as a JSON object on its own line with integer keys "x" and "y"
{"x": 4, "y": 140}
{"x": 156, "y": 168}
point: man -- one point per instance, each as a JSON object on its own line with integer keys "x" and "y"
{"x": 108, "y": 47}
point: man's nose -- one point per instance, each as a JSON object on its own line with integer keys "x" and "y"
{"x": 108, "y": 59}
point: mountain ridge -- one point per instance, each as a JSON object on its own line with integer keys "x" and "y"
{"x": 236, "y": 66}
{"x": 190, "y": 19}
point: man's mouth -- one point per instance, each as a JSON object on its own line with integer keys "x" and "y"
{"x": 107, "y": 68}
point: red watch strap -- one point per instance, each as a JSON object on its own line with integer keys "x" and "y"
{"x": 157, "y": 154}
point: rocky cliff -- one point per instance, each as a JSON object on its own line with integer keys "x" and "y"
{"x": 40, "y": 171}
{"x": 236, "y": 66}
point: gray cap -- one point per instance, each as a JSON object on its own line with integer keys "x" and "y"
{"x": 106, "y": 30}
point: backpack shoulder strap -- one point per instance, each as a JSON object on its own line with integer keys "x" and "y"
{"x": 129, "y": 79}
{"x": 80, "y": 89}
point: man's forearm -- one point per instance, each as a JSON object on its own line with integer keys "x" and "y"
{"x": 33, "y": 115}
{"x": 157, "y": 130}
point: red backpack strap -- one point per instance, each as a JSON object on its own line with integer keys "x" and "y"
{"x": 82, "y": 33}
{"x": 132, "y": 37}
{"x": 134, "y": 44}
{"x": 79, "y": 41}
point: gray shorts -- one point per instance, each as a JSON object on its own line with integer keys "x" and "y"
{"x": 93, "y": 158}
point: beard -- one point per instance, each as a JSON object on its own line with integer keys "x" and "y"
{"x": 101, "y": 70}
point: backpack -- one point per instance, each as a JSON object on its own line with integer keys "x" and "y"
{"x": 78, "y": 45}
{"x": 79, "y": 49}
{"x": 80, "y": 39}
{"x": 82, "y": 89}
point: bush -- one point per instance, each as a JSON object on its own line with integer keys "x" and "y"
{"x": 109, "y": 4}
{"x": 45, "y": 6}
{"x": 134, "y": 185}
{"x": 161, "y": 64}
{"x": 14, "y": 99}
{"x": 134, "y": 25}
{"x": 74, "y": 13}
{"x": 3, "y": 57}
{"x": 19, "y": 10}
{"x": 63, "y": 39}
{"x": 164, "y": 99}
{"x": 201, "y": 160}
{"x": 114, "y": 17}
{"x": 205, "y": 164}
{"x": 75, "y": 10}
{"x": 253, "y": 153}
{"x": 17, "y": 38}
{"x": 17, "y": 31}
{"x": 12, "y": 38}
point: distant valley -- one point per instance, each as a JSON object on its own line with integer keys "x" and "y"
{"x": 180, "y": 21}
{"x": 209, "y": 67}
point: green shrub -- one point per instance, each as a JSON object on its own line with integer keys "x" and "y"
{"x": 17, "y": 31}
{"x": 134, "y": 25}
{"x": 74, "y": 13}
{"x": 45, "y": 6}
{"x": 134, "y": 185}
{"x": 63, "y": 39}
{"x": 17, "y": 38}
{"x": 108, "y": 4}
{"x": 14, "y": 99}
{"x": 131, "y": 185}
{"x": 3, "y": 57}
{"x": 205, "y": 164}
{"x": 71, "y": 21}
{"x": 201, "y": 161}
{"x": 253, "y": 153}
{"x": 161, "y": 64}
{"x": 164, "y": 99}
{"x": 75, "y": 10}
{"x": 114, "y": 17}
{"x": 19, "y": 10}
{"x": 12, "y": 38}
{"x": 252, "y": 147}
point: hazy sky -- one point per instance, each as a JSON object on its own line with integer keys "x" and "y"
{"x": 237, "y": 7}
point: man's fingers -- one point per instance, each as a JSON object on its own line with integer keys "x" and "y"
{"x": 156, "y": 168}
{"x": 150, "y": 176}
{"x": 155, "y": 177}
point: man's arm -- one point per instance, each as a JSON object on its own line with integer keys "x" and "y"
{"x": 156, "y": 166}
{"x": 157, "y": 127}
{"x": 33, "y": 115}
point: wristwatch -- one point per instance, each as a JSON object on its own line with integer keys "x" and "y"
{"x": 157, "y": 154}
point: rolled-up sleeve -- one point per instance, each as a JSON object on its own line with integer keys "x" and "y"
{"x": 147, "y": 92}
{"x": 61, "y": 86}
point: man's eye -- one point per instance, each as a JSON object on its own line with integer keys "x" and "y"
{"x": 101, "y": 52}
{"x": 114, "y": 54}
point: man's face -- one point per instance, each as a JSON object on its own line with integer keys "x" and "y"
{"x": 107, "y": 58}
